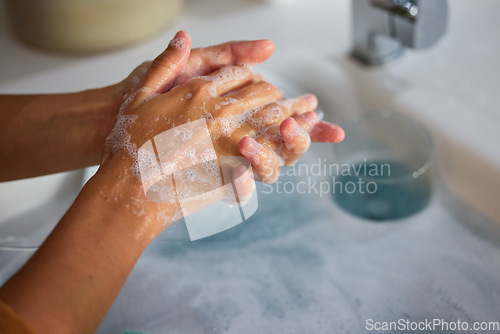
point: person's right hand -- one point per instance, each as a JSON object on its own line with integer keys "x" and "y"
{"x": 243, "y": 117}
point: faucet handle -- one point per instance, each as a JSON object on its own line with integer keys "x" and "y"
{"x": 404, "y": 8}
{"x": 426, "y": 27}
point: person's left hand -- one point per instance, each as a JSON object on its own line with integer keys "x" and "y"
{"x": 245, "y": 116}
{"x": 201, "y": 61}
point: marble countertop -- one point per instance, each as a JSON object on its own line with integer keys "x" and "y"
{"x": 300, "y": 264}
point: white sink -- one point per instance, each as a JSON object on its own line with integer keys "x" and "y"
{"x": 452, "y": 88}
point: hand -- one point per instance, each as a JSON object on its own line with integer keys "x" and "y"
{"x": 72, "y": 280}
{"x": 236, "y": 108}
{"x": 37, "y": 141}
{"x": 201, "y": 61}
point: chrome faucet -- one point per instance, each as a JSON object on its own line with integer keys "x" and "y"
{"x": 382, "y": 28}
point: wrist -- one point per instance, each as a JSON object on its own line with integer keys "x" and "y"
{"x": 106, "y": 103}
{"x": 87, "y": 256}
{"x": 120, "y": 190}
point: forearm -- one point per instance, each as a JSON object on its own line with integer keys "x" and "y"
{"x": 72, "y": 280}
{"x": 43, "y": 134}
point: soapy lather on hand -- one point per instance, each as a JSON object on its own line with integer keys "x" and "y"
{"x": 245, "y": 116}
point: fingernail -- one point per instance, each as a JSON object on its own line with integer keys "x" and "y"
{"x": 312, "y": 100}
{"x": 178, "y": 42}
{"x": 253, "y": 147}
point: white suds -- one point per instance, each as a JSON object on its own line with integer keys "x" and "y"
{"x": 178, "y": 43}
{"x": 228, "y": 101}
{"x": 232, "y": 122}
{"x": 119, "y": 137}
{"x": 225, "y": 75}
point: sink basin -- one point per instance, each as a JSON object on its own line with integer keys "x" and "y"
{"x": 464, "y": 126}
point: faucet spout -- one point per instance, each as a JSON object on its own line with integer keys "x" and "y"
{"x": 382, "y": 28}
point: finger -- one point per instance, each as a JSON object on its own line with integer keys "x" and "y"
{"x": 207, "y": 60}
{"x": 291, "y": 147}
{"x": 169, "y": 64}
{"x": 307, "y": 120}
{"x": 325, "y": 132}
{"x": 294, "y": 147}
{"x": 164, "y": 69}
{"x": 135, "y": 78}
{"x": 276, "y": 112}
{"x": 299, "y": 105}
{"x": 319, "y": 131}
{"x": 258, "y": 77}
{"x": 243, "y": 183}
{"x": 264, "y": 161}
{"x": 226, "y": 80}
{"x": 253, "y": 96}
{"x": 273, "y": 138}
{"x": 296, "y": 141}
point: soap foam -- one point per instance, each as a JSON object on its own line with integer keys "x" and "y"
{"x": 230, "y": 123}
{"x": 199, "y": 180}
{"x": 178, "y": 43}
{"x": 228, "y": 101}
{"x": 119, "y": 138}
{"x": 223, "y": 76}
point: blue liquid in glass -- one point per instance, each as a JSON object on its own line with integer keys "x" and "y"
{"x": 379, "y": 190}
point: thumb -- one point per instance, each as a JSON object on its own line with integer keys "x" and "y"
{"x": 169, "y": 64}
{"x": 165, "y": 68}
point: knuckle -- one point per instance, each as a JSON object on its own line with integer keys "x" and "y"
{"x": 224, "y": 110}
{"x": 201, "y": 88}
{"x": 266, "y": 86}
{"x": 162, "y": 62}
{"x": 271, "y": 106}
